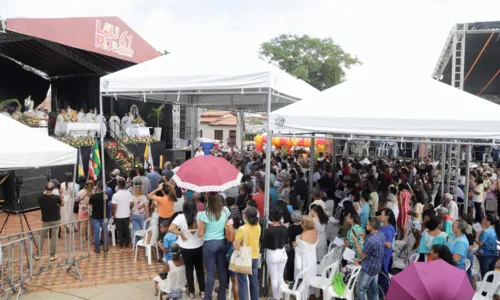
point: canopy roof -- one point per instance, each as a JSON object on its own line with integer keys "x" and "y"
{"x": 225, "y": 82}
{"x": 62, "y": 47}
{"x": 392, "y": 105}
{"x": 24, "y": 148}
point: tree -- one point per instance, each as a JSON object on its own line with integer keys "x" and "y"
{"x": 319, "y": 62}
{"x": 164, "y": 52}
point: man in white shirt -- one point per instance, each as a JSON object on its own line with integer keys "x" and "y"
{"x": 316, "y": 175}
{"x": 451, "y": 205}
{"x": 91, "y": 117}
{"x": 121, "y": 203}
{"x": 81, "y": 116}
{"x": 199, "y": 152}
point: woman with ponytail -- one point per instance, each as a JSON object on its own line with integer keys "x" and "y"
{"x": 140, "y": 210}
{"x": 176, "y": 262}
{"x": 249, "y": 235}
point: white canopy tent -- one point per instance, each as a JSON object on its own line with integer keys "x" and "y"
{"x": 226, "y": 82}
{"x": 384, "y": 103}
{"x": 392, "y": 106}
{"x": 26, "y": 148}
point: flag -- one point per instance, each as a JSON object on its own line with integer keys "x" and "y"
{"x": 94, "y": 162}
{"x": 80, "y": 164}
{"x": 148, "y": 158}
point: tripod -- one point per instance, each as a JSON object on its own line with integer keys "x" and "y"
{"x": 18, "y": 207}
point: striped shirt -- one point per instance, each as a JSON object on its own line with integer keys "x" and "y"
{"x": 374, "y": 250}
{"x": 404, "y": 207}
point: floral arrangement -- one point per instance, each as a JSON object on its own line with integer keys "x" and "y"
{"x": 29, "y": 120}
{"x": 83, "y": 141}
{"x": 138, "y": 121}
{"x": 139, "y": 139}
{"x": 121, "y": 156}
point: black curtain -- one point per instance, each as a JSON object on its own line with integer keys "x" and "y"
{"x": 18, "y": 83}
{"x": 77, "y": 92}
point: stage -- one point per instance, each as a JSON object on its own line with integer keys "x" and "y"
{"x": 35, "y": 179}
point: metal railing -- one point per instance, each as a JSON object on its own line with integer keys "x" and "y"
{"x": 56, "y": 246}
{"x": 15, "y": 266}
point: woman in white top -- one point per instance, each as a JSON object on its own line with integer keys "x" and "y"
{"x": 305, "y": 251}
{"x": 68, "y": 193}
{"x": 185, "y": 227}
{"x": 478, "y": 197}
{"x": 320, "y": 222}
{"x": 176, "y": 262}
{"x": 140, "y": 210}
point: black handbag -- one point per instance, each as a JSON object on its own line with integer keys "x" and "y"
{"x": 76, "y": 206}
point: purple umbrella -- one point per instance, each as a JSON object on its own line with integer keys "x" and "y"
{"x": 430, "y": 280}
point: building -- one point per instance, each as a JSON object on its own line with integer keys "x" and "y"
{"x": 220, "y": 125}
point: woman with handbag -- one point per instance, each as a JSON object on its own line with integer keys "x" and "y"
{"x": 275, "y": 239}
{"x": 248, "y": 236}
{"x": 211, "y": 226}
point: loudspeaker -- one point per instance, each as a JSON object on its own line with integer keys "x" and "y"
{"x": 172, "y": 154}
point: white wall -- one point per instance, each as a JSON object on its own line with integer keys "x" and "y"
{"x": 209, "y": 131}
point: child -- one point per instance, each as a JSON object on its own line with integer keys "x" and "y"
{"x": 168, "y": 240}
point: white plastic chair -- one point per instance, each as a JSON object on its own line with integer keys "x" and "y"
{"x": 324, "y": 281}
{"x": 327, "y": 260}
{"x": 349, "y": 288}
{"x": 297, "y": 292}
{"x": 488, "y": 288}
{"x": 153, "y": 242}
{"x": 112, "y": 229}
{"x": 176, "y": 279}
{"x": 141, "y": 232}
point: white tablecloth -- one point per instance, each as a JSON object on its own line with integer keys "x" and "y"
{"x": 136, "y": 130}
{"x": 79, "y": 129}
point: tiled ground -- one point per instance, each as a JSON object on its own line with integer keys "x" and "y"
{"x": 98, "y": 269}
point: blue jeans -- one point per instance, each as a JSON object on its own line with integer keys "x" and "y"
{"x": 97, "y": 225}
{"x": 367, "y": 283}
{"x": 486, "y": 264}
{"x": 214, "y": 254}
{"x": 137, "y": 224}
{"x": 254, "y": 283}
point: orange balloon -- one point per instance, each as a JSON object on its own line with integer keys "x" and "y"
{"x": 307, "y": 142}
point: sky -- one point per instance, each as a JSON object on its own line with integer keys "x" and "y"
{"x": 409, "y": 34}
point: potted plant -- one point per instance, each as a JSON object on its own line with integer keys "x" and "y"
{"x": 158, "y": 113}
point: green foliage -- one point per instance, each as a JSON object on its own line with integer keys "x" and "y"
{"x": 164, "y": 52}
{"x": 157, "y": 113}
{"x": 9, "y": 102}
{"x": 319, "y": 62}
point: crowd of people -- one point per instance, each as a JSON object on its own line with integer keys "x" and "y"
{"x": 384, "y": 211}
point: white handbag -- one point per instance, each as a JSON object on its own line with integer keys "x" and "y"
{"x": 241, "y": 260}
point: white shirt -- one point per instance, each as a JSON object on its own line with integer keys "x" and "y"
{"x": 329, "y": 206}
{"x": 453, "y": 210}
{"x": 199, "y": 153}
{"x": 122, "y": 199}
{"x": 319, "y": 203}
{"x": 316, "y": 177}
{"x": 193, "y": 241}
{"x": 81, "y": 117}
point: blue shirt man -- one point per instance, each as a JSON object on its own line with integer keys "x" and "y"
{"x": 153, "y": 177}
{"x": 273, "y": 194}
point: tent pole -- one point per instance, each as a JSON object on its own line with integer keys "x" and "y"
{"x": 194, "y": 127}
{"x": 311, "y": 172}
{"x": 103, "y": 175}
{"x": 268, "y": 160}
{"x": 457, "y": 171}
{"x": 467, "y": 174}
{"x": 443, "y": 168}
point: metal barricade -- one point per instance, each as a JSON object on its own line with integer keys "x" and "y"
{"x": 55, "y": 246}
{"x": 16, "y": 266}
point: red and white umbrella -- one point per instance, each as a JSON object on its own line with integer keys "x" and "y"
{"x": 207, "y": 174}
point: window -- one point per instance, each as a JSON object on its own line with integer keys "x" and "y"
{"x": 250, "y": 136}
{"x": 232, "y": 137}
{"x": 218, "y": 135}
{"x": 201, "y": 133}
